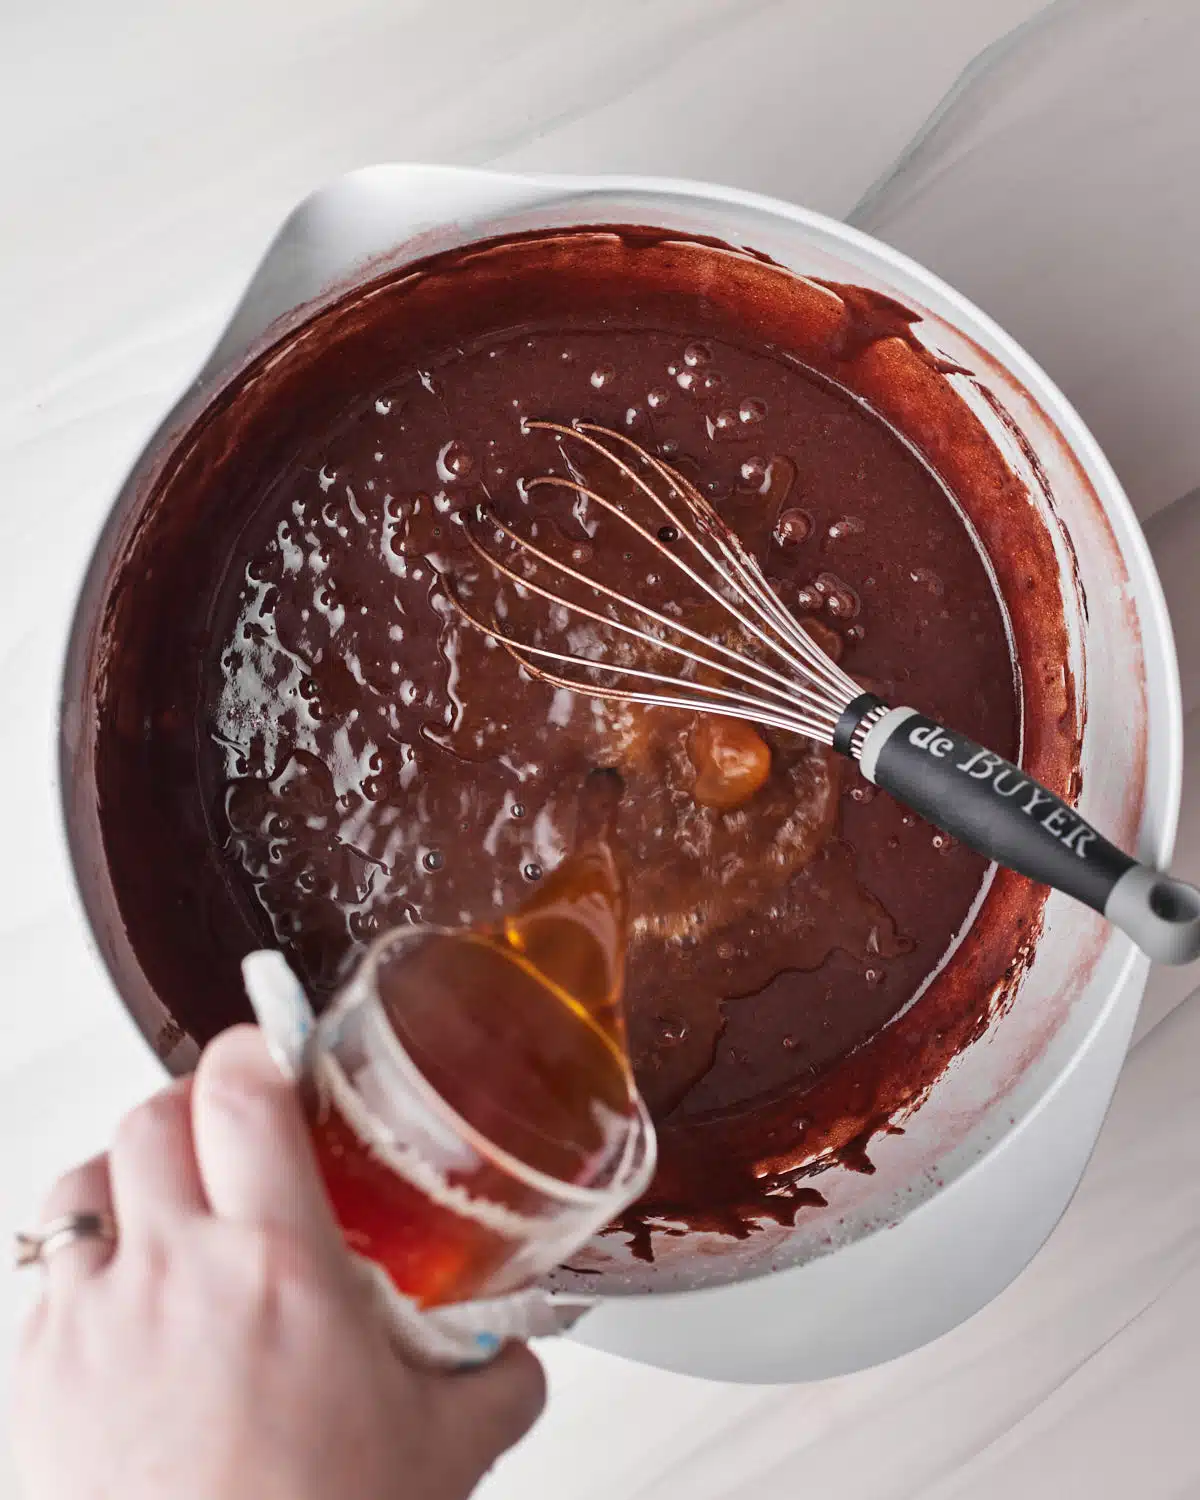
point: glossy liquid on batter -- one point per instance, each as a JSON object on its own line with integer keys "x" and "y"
{"x": 370, "y": 760}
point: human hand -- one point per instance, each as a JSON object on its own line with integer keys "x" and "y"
{"x": 223, "y": 1348}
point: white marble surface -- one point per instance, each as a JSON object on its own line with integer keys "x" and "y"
{"x": 146, "y": 154}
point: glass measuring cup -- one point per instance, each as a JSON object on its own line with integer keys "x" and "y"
{"x": 469, "y": 1092}
{"x": 439, "y": 1178}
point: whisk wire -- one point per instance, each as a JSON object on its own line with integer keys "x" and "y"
{"x": 807, "y": 698}
{"x": 748, "y": 579}
{"x": 732, "y": 704}
{"x": 786, "y": 691}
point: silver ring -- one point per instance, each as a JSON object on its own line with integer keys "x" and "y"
{"x": 35, "y": 1248}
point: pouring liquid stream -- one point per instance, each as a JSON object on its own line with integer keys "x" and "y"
{"x": 517, "y": 1035}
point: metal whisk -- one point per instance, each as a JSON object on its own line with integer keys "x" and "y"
{"x": 775, "y": 674}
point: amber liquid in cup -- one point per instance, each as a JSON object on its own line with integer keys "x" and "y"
{"x": 470, "y": 1097}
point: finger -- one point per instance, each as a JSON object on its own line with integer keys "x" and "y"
{"x": 84, "y": 1190}
{"x": 485, "y": 1412}
{"x": 155, "y": 1179}
{"x": 252, "y": 1143}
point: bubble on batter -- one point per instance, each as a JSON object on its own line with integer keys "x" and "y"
{"x": 455, "y": 462}
{"x": 755, "y": 474}
{"x": 723, "y": 425}
{"x": 753, "y": 409}
{"x": 671, "y": 1029}
{"x": 793, "y": 527}
{"x": 601, "y": 376}
{"x": 657, "y": 398}
{"x": 836, "y": 595}
{"x": 808, "y": 599}
{"x": 927, "y": 579}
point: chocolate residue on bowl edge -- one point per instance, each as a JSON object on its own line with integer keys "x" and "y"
{"x": 296, "y": 745}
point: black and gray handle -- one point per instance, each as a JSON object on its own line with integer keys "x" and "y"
{"x": 992, "y": 805}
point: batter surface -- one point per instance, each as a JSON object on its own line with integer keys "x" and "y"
{"x": 297, "y": 741}
{"x": 373, "y": 760}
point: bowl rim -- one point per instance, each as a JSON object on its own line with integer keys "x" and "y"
{"x": 1162, "y": 787}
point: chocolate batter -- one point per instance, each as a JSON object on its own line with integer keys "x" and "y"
{"x": 335, "y": 751}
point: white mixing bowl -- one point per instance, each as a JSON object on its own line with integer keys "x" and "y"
{"x": 960, "y": 1202}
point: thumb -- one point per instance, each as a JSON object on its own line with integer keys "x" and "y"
{"x": 252, "y": 1144}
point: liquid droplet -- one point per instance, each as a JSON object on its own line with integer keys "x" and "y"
{"x": 685, "y": 380}
{"x": 697, "y": 354}
{"x": 668, "y": 534}
{"x": 657, "y": 397}
{"x": 517, "y": 810}
{"x": 602, "y": 375}
{"x": 846, "y": 526}
{"x": 532, "y": 870}
{"x": 433, "y": 859}
{"x": 753, "y": 409}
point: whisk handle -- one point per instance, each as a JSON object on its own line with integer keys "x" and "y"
{"x": 992, "y": 805}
